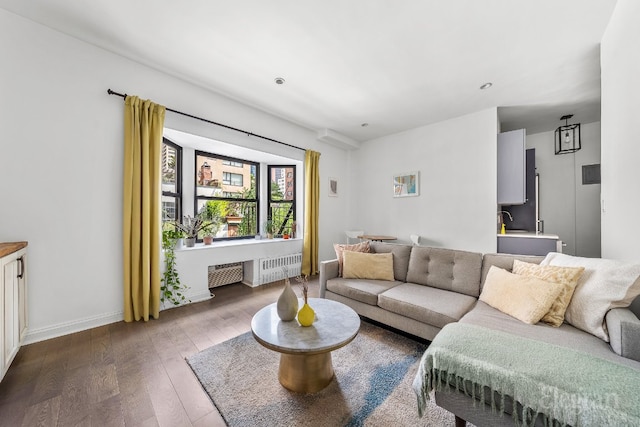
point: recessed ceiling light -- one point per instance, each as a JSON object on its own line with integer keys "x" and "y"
{"x": 364, "y": 125}
{"x": 487, "y": 85}
{"x": 279, "y": 80}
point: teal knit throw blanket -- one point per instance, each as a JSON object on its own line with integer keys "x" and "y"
{"x": 568, "y": 386}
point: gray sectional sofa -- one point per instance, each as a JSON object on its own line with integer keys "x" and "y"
{"x": 433, "y": 287}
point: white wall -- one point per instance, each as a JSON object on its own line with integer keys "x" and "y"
{"x": 568, "y": 208}
{"x": 456, "y": 207}
{"x": 620, "y": 62}
{"x": 61, "y": 173}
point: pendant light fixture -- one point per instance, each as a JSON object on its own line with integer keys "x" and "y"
{"x": 567, "y": 137}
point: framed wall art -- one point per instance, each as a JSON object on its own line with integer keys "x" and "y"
{"x": 333, "y": 187}
{"x": 406, "y": 184}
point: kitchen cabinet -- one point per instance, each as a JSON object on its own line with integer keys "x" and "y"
{"x": 512, "y": 167}
{"x": 528, "y": 244}
{"x": 13, "y": 301}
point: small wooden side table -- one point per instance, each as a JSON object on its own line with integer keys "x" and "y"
{"x": 377, "y": 238}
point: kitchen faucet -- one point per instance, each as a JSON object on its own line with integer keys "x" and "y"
{"x": 501, "y": 218}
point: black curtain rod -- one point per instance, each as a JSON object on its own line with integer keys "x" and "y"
{"x": 111, "y": 92}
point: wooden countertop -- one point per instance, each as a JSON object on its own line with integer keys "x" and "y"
{"x": 10, "y": 247}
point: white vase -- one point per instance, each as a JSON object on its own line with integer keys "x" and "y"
{"x": 287, "y": 303}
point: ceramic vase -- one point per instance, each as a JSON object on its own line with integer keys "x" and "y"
{"x": 287, "y": 303}
{"x": 306, "y": 315}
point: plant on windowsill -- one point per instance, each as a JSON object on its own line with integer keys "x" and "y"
{"x": 191, "y": 226}
{"x": 171, "y": 290}
{"x": 269, "y": 228}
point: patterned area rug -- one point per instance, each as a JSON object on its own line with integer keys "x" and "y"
{"x": 372, "y": 386}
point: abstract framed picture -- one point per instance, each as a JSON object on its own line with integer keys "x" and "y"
{"x": 406, "y": 184}
{"x": 333, "y": 187}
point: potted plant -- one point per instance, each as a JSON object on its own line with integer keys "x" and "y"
{"x": 210, "y": 231}
{"x": 191, "y": 226}
{"x": 171, "y": 290}
{"x": 269, "y": 228}
{"x": 172, "y": 235}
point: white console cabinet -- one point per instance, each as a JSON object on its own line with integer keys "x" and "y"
{"x": 13, "y": 301}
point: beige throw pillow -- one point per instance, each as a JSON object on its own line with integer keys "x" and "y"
{"x": 359, "y": 265}
{"x": 566, "y": 276}
{"x": 525, "y": 298}
{"x": 605, "y": 284}
{"x": 340, "y": 249}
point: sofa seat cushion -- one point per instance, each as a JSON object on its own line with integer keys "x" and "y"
{"x": 433, "y": 306}
{"x": 565, "y": 335}
{"x": 363, "y": 290}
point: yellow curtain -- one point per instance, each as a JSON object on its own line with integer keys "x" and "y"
{"x": 143, "y": 123}
{"x": 311, "y": 212}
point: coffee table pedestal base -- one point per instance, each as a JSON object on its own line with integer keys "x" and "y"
{"x": 305, "y": 373}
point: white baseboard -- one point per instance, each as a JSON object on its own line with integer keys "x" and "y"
{"x": 55, "y": 331}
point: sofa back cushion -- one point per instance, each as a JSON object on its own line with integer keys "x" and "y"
{"x": 504, "y": 261}
{"x": 400, "y": 257}
{"x": 448, "y": 269}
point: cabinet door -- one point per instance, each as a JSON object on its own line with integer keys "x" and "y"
{"x": 23, "y": 319}
{"x": 526, "y": 246}
{"x": 511, "y": 168}
{"x": 10, "y": 316}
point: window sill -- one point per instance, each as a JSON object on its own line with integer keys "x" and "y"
{"x": 233, "y": 243}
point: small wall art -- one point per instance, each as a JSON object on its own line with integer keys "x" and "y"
{"x": 333, "y": 187}
{"x": 406, "y": 184}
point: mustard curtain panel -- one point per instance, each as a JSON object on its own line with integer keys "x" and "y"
{"x": 143, "y": 123}
{"x": 311, "y": 212}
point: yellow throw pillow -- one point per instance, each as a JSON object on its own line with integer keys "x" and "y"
{"x": 525, "y": 298}
{"x": 566, "y": 276}
{"x": 359, "y": 265}
{"x": 340, "y": 249}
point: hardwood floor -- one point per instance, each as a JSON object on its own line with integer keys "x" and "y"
{"x": 131, "y": 374}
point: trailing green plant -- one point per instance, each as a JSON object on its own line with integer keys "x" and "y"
{"x": 171, "y": 289}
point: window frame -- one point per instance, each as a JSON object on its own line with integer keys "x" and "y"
{"x": 292, "y": 202}
{"x": 232, "y": 161}
{"x": 178, "y": 181}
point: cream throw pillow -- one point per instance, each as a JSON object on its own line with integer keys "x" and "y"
{"x": 525, "y": 298}
{"x": 359, "y": 265}
{"x": 566, "y": 276}
{"x": 357, "y": 247}
{"x": 605, "y": 284}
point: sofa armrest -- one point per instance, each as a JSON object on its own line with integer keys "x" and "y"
{"x": 624, "y": 332}
{"x": 328, "y": 270}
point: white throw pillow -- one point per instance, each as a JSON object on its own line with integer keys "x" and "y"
{"x": 523, "y": 297}
{"x": 605, "y": 284}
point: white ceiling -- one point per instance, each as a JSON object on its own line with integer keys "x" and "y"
{"x": 395, "y": 65}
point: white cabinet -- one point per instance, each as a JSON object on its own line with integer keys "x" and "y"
{"x": 511, "y": 168}
{"x": 13, "y": 305}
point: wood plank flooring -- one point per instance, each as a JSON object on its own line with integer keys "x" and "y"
{"x": 130, "y": 374}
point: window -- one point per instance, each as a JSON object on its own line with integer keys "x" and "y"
{"x": 282, "y": 201}
{"x": 171, "y": 181}
{"x": 228, "y": 198}
{"x": 232, "y": 179}
{"x": 230, "y": 163}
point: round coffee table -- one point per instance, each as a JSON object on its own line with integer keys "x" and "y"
{"x": 305, "y": 359}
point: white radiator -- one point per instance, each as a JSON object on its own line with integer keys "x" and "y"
{"x": 271, "y": 269}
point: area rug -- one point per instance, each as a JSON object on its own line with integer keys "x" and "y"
{"x": 372, "y": 386}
